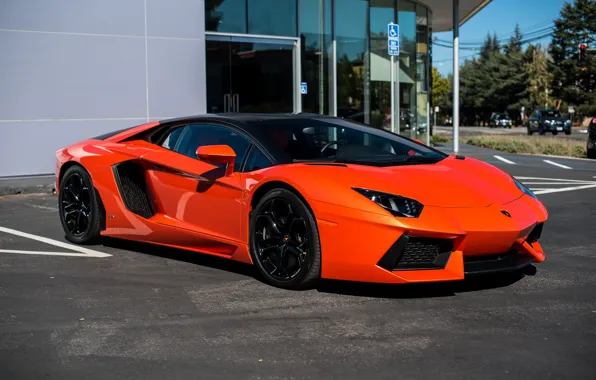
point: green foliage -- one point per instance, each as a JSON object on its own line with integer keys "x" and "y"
{"x": 572, "y": 80}
{"x": 441, "y": 92}
{"x": 439, "y": 139}
{"x": 531, "y": 145}
{"x": 505, "y": 78}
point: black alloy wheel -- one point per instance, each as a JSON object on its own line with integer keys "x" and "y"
{"x": 78, "y": 207}
{"x": 285, "y": 244}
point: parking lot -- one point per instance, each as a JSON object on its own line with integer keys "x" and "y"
{"x": 130, "y": 311}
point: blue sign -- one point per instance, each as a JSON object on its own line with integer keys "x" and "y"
{"x": 393, "y": 39}
{"x": 303, "y": 88}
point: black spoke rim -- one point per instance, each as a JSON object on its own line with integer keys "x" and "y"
{"x": 281, "y": 240}
{"x": 76, "y": 205}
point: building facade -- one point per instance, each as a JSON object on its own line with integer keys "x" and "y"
{"x": 72, "y": 69}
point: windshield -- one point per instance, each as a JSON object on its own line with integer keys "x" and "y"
{"x": 339, "y": 140}
{"x": 550, "y": 113}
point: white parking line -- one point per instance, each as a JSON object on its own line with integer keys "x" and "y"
{"x": 82, "y": 252}
{"x": 554, "y": 179}
{"x": 504, "y": 159}
{"x": 565, "y": 189}
{"x": 557, "y": 164}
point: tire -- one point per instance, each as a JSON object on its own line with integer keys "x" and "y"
{"x": 568, "y": 132}
{"x": 592, "y": 153}
{"x": 309, "y": 272}
{"x": 85, "y": 196}
{"x": 555, "y": 133}
{"x": 530, "y": 133}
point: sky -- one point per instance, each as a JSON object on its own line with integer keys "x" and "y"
{"x": 500, "y": 17}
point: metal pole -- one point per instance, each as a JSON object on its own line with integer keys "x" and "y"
{"x": 427, "y": 121}
{"x": 455, "y": 76}
{"x": 392, "y": 94}
{"x": 397, "y": 96}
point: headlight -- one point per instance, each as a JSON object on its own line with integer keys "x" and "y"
{"x": 395, "y": 204}
{"x": 547, "y": 121}
{"x": 568, "y": 122}
{"x": 524, "y": 189}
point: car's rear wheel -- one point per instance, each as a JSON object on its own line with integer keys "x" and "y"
{"x": 78, "y": 207}
{"x": 284, "y": 241}
{"x": 591, "y": 153}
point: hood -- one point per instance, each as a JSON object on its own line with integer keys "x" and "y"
{"x": 449, "y": 183}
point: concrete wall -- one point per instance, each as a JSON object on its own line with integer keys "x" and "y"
{"x": 72, "y": 69}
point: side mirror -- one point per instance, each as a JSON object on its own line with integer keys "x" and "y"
{"x": 218, "y": 154}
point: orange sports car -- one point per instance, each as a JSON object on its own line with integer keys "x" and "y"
{"x": 302, "y": 197}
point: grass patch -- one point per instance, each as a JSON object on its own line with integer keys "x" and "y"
{"x": 531, "y": 145}
{"x": 439, "y": 139}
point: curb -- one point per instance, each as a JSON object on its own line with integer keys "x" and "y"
{"x": 28, "y": 189}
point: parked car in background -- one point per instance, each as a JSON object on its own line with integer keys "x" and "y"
{"x": 500, "y": 120}
{"x": 549, "y": 121}
{"x": 591, "y": 146}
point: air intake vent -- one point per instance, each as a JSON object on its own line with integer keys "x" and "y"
{"x": 535, "y": 234}
{"x": 410, "y": 252}
{"x": 422, "y": 252}
{"x": 130, "y": 178}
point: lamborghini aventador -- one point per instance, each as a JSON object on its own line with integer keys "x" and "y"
{"x": 300, "y": 197}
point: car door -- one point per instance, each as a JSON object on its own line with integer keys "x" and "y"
{"x": 194, "y": 194}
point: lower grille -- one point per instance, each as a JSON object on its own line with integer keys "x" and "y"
{"x": 422, "y": 251}
{"x": 133, "y": 188}
{"x": 411, "y": 252}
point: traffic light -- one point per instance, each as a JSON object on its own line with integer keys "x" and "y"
{"x": 582, "y": 51}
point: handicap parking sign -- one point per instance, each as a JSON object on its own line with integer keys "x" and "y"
{"x": 303, "y": 88}
{"x": 393, "y": 39}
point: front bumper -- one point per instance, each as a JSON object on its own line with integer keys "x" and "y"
{"x": 442, "y": 245}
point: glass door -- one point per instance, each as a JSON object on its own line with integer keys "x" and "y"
{"x": 246, "y": 74}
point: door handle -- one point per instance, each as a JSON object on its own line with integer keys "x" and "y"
{"x": 226, "y": 103}
{"x": 236, "y": 102}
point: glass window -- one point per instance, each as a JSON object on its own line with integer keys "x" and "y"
{"x": 407, "y": 67}
{"x": 225, "y": 16}
{"x": 422, "y": 71}
{"x": 351, "y": 31}
{"x": 340, "y": 140}
{"x": 172, "y": 138}
{"x": 256, "y": 160}
{"x": 382, "y": 12}
{"x": 196, "y": 135}
{"x": 276, "y": 18}
{"x": 315, "y": 34}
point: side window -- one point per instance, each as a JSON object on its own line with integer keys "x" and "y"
{"x": 172, "y": 138}
{"x": 256, "y": 160}
{"x": 196, "y": 135}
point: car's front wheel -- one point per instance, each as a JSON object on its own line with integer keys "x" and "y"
{"x": 79, "y": 207}
{"x": 284, "y": 241}
{"x": 591, "y": 153}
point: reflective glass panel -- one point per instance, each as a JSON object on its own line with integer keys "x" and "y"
{"x": 225, "y": 16}
{"x": 407, "y": 67}
{"x": 272, "y": 17}
{"x": 351, "y": 31}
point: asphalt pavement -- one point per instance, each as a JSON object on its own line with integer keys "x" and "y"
{"x": 131, "y": 311}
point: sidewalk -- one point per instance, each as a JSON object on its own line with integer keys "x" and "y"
{"x": 27, "y": 185}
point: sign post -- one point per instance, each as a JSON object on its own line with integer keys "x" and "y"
{"x": 571, "y": 111}
{"x": 393, "y": 50}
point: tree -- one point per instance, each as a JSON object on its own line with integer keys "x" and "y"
{"x": 540, "y": 77}
{"x": 572, "y": 80}
{"x": 440, "y": 87}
